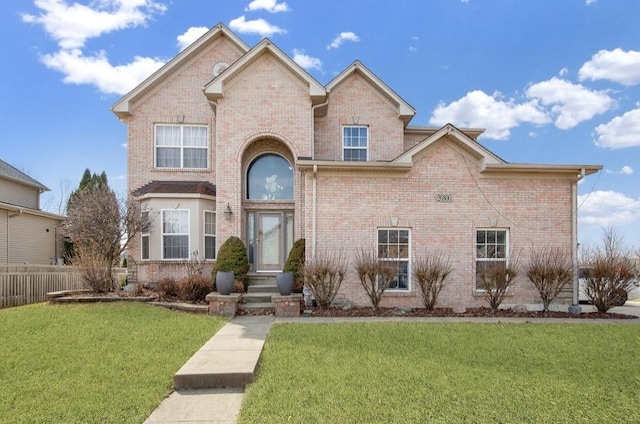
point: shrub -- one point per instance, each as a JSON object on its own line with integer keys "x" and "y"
{"x": 323, "y": 275}
{"x": 549, "y": 270}
{"x": 495, "y": 280}
{"x": 374, "y": 275}
{"x": 96, "y": 272}
{"x": 232, "y": 256}
{"x": 610, "y": 271}
{"x": 194, "y": 265}
{"x": 295, "y": 262}
{"x": 195, "y": 288}
{"x": 238, "y": 287}
{"x": 431, "y": 271}
{"x": 167, "y": 288}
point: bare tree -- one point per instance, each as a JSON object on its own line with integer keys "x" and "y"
{"x": 101, "y": 227}
{"x": 375, "y": 275}
{"x": 495, "y": 278}
{"x": 549, "y": 270}
{"x": 431, "y": 271}
{"x": 609, "y": 271}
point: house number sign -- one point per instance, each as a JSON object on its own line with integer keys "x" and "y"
{"x": 444, "y": 198}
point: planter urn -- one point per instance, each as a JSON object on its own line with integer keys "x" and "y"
{"x": 224, "y": 282}
{"x": 284, "y": 281}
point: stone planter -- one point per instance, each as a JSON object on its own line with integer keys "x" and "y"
{"x": 224, "y": 282}
{"x": 284, "y": 281}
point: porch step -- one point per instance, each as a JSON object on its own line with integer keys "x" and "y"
{"x": 258, "y": 297}
{"x": 257, "y": 306}
{"x": 262, "y": 288}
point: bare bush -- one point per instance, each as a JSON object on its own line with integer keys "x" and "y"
{"x": 167, "y": 288}
{"x": 195, "y": 288}
{"x": 549, "y": 270}
{"x": 96, "y": 273}
{"x": 431, "y": 271}
{"x": 495, "y": 279}
{"x": 194, "y": 265}
{"x": 101, "y": 227}
{"x": 375, "y": 275}
{"x": 610, "y": 271}
{"x": 323, "y": 275}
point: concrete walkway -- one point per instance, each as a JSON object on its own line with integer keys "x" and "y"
{"x": 210, "y": 386}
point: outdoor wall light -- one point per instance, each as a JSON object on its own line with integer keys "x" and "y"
{"x": 228, "y": 213}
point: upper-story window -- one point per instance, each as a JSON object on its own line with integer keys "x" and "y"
{"x": 181, "y": 146}
{"x": 270, "y": 177}
{"x": 355, "y": 143}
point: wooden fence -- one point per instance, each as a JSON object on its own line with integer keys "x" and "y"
{"x": 25, "y": 284}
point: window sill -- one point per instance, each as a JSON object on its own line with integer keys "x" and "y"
{"x": 398, "y": 293}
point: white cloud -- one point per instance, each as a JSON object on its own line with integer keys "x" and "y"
{"x": 256, "y": 26}
{"x": 608, "y": 208}
{"x": 478, "y": 109}
{"x": 570, "y": 103}
{"x": 622, "y": 131}
{"x": 614, "y": 65}
{"x": 97, "y": 70}
{"x": 271, "y": 6}
{"x": 341, "y": 38}
{"x": 413, "y": 49}
{"x": 588, "y": 2}
{"x": 189, "y": 36}
{"x": 626, "y": 170}
{"x": 306, "y": 61}
{"x": 71, "y": 25}
{"x": 563, "y": 72}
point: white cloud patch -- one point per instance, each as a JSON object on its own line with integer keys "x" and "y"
{"x": 626, "y": 170}
{"x": 613, "y": 65}
{"x": 271, "y": 6}
{"x": 478, "y": 109}
{"x": 71, "y": 25}
{"x": 608, "y": 209}
{"x": 563, "y": 72}
{"x": 622, "y": 131}
{"x": 97, "y": 70}
{"x": 306, "y": 61}
{"x": 189, "y": 36}
{"x": 570, "y": 103}
{"x": 341, "y": 38}
{"x": 256, "y": 26}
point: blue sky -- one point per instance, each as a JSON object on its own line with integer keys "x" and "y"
{"x": 552, "y": 81}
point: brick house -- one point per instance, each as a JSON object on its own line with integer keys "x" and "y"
{"x": 230, "y": 140}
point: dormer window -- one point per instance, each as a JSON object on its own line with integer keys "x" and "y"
{"x": 355, "y": 143}
{"x": 181, "y": 146}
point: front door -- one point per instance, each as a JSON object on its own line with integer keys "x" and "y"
{"x": 273, "y": 239}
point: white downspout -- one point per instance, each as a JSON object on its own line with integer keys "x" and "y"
{"x": 574, "y": 234}
{"x": 314, "y": 202}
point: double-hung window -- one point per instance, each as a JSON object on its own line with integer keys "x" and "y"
{"x": 209, "y": 235}
{"x": 144, "y": 238}
{"x": 175, "y": 234}
{"x": 355, "y": 143}
{"x": 181, "y": 146}
{"x": 393, "y": 247}
{"x": 492, "y": 247}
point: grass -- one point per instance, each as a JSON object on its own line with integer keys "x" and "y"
{"x": 93, "y": 363}
{"x": 447, "y": 373}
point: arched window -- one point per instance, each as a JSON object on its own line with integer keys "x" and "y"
{"x": 270, "y": 177}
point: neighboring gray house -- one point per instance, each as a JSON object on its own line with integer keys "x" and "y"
{"x": 27, "y": 233}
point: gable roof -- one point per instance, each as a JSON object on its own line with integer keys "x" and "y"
{"x": 215, "y": 88}
{"x": 122, "y": 106}
{"x": 8, "y": 172}
{"x": 405, "y": 110}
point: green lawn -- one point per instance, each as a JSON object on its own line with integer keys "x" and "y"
{"x": 447, "y": 373}
{"x": 94, "y": 363}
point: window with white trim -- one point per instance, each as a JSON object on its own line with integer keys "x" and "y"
{"x": 209, "y": 235}
{"x": 175, "y": 234}
{"x": 181, "y": 146}
{"x": 144, "y": 238}
{"x": 492, "y": 247}
{"x": 355, "y": 143}
{"x": 393, "y": 246}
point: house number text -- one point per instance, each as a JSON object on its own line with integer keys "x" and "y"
{"x": 444, "y": 198}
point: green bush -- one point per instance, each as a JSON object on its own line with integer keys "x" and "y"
{"x": 295, "y": 262}
{"x": 232, "y": 256}
{"x": 195, "y": 288}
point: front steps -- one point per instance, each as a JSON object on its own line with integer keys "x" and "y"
{"x": 259, "y": 291}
